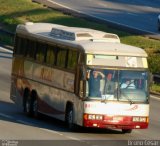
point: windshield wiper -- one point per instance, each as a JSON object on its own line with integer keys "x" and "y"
{"x": 126, "y": 97}
{"x": 104, "y": 99}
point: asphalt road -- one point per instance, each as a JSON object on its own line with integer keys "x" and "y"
{"x": 15, "y": 126}
{"x": 140, "y": 15}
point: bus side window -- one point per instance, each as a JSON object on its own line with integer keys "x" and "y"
{"x": 72, "y": 59}
{"x": 61, "y": 57}
{"x": 40, "y": 53}
{"x": 17, "y": 45}
{"x": 20, "y": 46}
{"x": 50, "y": 55}
{"x": 31, "y": 49}
{"x": 23, "y": 46}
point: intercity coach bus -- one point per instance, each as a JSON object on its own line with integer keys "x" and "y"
{"x": 81, "y": 76}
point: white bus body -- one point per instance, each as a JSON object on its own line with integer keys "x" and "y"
{"x": 49, "y": 75}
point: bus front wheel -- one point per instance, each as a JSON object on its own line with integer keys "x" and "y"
{"x": 69, "y": 119}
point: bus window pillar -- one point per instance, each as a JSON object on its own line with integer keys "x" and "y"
{"x": 80, "y": 82}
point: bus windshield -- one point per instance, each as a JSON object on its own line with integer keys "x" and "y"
{"x": 121, "y": 85}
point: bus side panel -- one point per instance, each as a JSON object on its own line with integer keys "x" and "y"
{"x": 16, "y": 93}
{"x": 54, "y": 87}
{"x": 79, "y": 111}
{"x": 16, "y": 81}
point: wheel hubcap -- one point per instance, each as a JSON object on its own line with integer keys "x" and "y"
{"x": 70, "y": 119}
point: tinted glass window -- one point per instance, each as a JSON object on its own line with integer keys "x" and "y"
{"x": 50, "y": 55}
{"x": 20, "y": 45}
{"x": 23, "y": 47}
{"x": 72, "y": 59}
{"x": 40, "y": 53}
{"x": 17, "y": 45}
{"x": 31, "y": 49}
{"x": 61, "y": 57}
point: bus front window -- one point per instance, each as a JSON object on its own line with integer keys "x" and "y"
{"x": 119, "y": 85}
{"x": 133, "y": 85}
{"x": 101, "y": 83}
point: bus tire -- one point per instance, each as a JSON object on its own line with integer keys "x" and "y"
{"x": 69, "y": 119}
{"x": 25, "y": 96}
{"x": 28, "y": 109}
{"x": 126, "y": 131}
{"x": 34, "y": 105}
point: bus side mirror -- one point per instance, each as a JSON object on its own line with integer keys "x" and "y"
{"x": 151, "y": 80}
{"x": 82, "y": 73}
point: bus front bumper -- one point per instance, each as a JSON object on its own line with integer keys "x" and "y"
{"x": 116, "y": 122}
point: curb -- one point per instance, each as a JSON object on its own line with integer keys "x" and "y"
{"x": 155, "y": 93}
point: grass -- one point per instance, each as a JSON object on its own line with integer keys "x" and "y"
{"x": 21, "y": 11}
{"x": 14, "y": 12}
{"x": 155, "y": 88}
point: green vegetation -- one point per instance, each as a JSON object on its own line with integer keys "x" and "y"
{"x": 155, "y": 88}
{"x": 5, "y": 39}
{"x": 14, "y": 12}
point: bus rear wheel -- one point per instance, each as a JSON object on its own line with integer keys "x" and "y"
{"x": 31, "y": 104}
{"x": 126, "y": 131}
{"x": 28, "y": 106}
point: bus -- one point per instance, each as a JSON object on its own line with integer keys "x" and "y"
{"x": 82, "y": 76}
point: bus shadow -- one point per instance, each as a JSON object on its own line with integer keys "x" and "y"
{"x": 11, "y": 113}
{"x": 78, "y": 129}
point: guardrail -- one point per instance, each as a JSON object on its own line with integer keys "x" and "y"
{"x": 2, "y": 31}
{"x": 156, "y": 78}
{"x": 10, "y": 34}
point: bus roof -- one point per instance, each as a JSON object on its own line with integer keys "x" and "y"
{"x": 91, "y": 41}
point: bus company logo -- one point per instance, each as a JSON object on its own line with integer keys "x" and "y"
{"x": 134, "y": 107}
{"x": 9, "y": 143}
{"x": 90, "y": 105}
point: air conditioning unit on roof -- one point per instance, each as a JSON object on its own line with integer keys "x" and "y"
{"x": 74, "y": 34}
{"x": 62, "y": 34}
